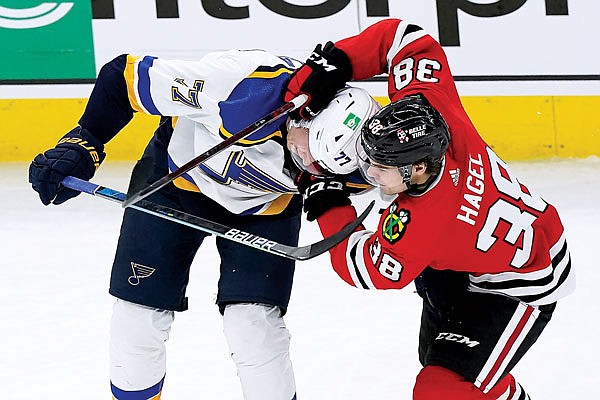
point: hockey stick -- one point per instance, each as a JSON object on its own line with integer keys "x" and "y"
{"x": 134, "y": 194}
{"x": 236, "y": 235}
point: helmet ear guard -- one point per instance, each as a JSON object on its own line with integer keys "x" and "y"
{"x": 364, "y": 162}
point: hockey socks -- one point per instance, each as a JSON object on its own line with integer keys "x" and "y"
{"x": 152, "y": 393}
{"x": 434, "y": 383}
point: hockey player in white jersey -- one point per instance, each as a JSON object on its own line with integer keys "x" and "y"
{"x": 249, "y": 186}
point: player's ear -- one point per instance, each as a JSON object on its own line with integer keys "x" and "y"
{"x": 420, "y": 167}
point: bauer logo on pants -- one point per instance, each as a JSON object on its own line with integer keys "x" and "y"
{"x": 139, "y": 272}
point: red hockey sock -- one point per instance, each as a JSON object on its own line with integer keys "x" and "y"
{"x": 434, "y": 383}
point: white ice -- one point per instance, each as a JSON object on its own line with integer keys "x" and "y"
{"x": 346, "y": 343}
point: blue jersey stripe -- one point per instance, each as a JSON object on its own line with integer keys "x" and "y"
{"x": 173, "y": 167}
{"x": 144, "y": 84}
{"x": 149, "y": 393}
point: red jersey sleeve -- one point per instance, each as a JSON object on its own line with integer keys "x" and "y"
{"x": 368, "y": 50}
{"x": 366, "y": 259}
{"x": 415, "y": 61}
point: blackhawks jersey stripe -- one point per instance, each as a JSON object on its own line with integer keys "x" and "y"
{"x": 356, "y": 262}
{"x": 544, "y": 286}
{"x": 405, "y": 34}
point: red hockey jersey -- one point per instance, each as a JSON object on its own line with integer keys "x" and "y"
{"x": 477, "y": 217}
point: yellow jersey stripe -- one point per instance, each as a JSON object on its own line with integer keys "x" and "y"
{"x": 226, "y": 134}
{"x": 269, "y": 74}
{"x": 184, "y": 184}
{"x": 129, "y": 74}
{"x": 278, "y": 205}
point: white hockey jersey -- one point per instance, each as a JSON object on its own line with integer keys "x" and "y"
{"x": 210, "y": 100}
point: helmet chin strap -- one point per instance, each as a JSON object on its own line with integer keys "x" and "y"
{"x": 406, "y": 173}
{"x": 421, "y": 187}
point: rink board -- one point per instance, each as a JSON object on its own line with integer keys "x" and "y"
{"x": 517, "y": 127}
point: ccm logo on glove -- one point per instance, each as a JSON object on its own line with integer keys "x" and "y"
{"x": 323, "y": 185}
{"x": 322, "y": 61}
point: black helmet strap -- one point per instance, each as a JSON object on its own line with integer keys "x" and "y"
{"x": 406, "y": 172}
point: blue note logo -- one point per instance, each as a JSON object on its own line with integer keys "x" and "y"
{"x": 33, "y": 17}
{"x": 139, "y": 272}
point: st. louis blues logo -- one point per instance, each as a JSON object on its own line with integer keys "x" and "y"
{"x": 394, "y": 224}
{"x": 139, "y": 272}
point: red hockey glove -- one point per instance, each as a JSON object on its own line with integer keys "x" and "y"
{"x": 325, "y": 72}
{"x": 321, "y": 194}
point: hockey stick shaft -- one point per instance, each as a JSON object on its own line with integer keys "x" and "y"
{"x": 214, "y": 228}
{"x": 193, "y": 163}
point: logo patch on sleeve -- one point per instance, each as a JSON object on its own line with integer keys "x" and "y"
{"x": 395, "y": 223}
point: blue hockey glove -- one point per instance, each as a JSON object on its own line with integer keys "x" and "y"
{"x": 326, "y": 71}
{"x": 78, "y": 154}
{"x": 322, "y": 193}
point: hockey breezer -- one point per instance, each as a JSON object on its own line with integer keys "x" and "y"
{"x": 236, "y": 235}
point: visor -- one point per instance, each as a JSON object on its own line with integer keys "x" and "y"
{"x": 364, "y": 163}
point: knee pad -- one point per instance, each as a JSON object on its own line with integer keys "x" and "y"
{"x": 137, "y": 348}
{"x": 259, "y": 345}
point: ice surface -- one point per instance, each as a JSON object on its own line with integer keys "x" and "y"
{"x": 346, "y": 343}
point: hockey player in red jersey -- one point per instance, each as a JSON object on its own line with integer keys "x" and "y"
{"x": 488, "y": 254}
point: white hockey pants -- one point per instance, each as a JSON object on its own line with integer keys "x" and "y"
{"x": 137, "y": 345}
{"x": 259, "y": 343}
{"x": 257, "y": 337}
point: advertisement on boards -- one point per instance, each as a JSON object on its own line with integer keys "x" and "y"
{"x": 485, "y": 40}
{"x": 46, "y": 40}
{"x": 504, "y": 37}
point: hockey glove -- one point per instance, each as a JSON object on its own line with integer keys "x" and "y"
{"x": 78, "y": 154}
{"x": 325, "y": 72}
{"x": 322, "y": 194}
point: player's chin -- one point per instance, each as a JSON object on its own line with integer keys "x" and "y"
{"x": 392, "y": 190}
{"x": 387, "y": 190}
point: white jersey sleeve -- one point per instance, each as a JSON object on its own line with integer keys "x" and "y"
{"x": 212, "y": 99}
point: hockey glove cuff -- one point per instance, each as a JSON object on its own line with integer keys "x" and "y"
{"x": 325, "y": 72}
{"x": 322, "y": 194}
{"x": 77, "y": 154}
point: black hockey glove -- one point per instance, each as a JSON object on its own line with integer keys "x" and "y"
{"x": 78, "y": 154}
{"x": 325, "y": 72}
{"x": 322, "y": 194}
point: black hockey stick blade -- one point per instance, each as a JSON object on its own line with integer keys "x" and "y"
{"x": 135, "y": 194}
{"x": 260, "y": 243}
